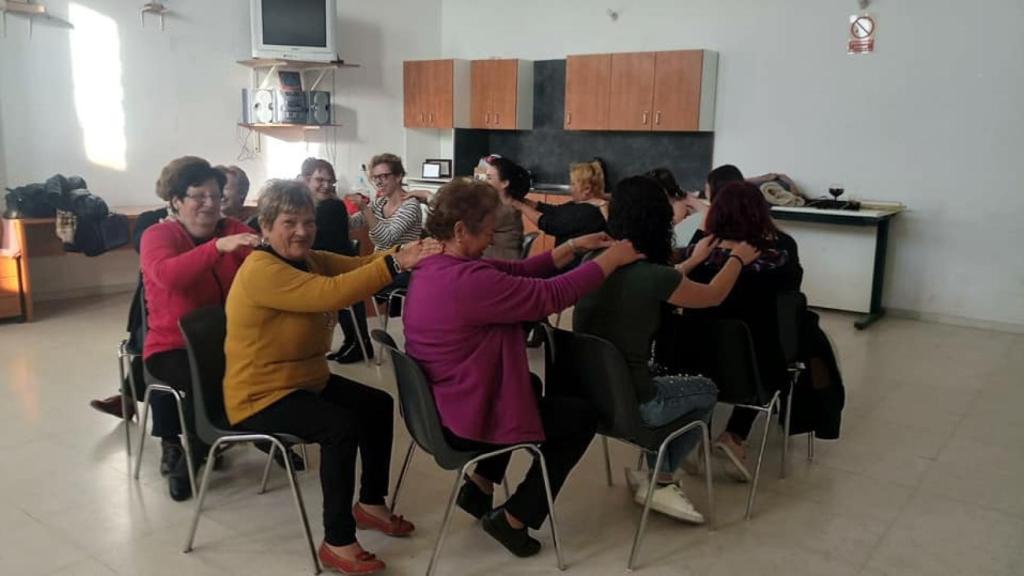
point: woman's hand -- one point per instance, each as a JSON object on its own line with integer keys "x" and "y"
{"x": 357, "y": 200}
{"x": 703, "y": 248}
{"x": 745, "y": 252}
{"x": 411, "y": 254}
{"x": 591, "y": 242}
{"x": 228, "y": 244}
{"x": 694, "y": 205}
{"x": 620, "y": 253}
{"x": 421, "y": 195}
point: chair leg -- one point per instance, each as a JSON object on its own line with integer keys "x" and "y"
{"x": 785, "y": 430}
{"x": 638, "y": 537}
{"x": 760, "y": 454}
{"x": 705, "y": 441}
{"x": 810, "y": 446}
{"x": 142, "y": 431}
{"x": 401, "y": 474}
{"x": 447, "y": 520}
{"x": 607, "y": 461}
{"x": 297, "y": 494}
{"x": 551, "y": 506}
{"x": 640, "y": 460}
{"x": 190, "y": 540}
{"x": 359, "y": 334}
{"x": 186, "y": 445}
{"x": 124, "y": 400}
{"x": 504, "y": 485}
{"x": 384, "y": 326}
{"x": 266, "y": 468}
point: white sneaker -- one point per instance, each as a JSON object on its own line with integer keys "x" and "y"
{"x": 669, "y": 500}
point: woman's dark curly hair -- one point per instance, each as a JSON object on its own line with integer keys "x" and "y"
{"x": 519, "y": 179}
{"x": 640, "y": 212}
{"x": 741, "y": 213}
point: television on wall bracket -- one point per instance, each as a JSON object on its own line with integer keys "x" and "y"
{"x": 294, "y": 29}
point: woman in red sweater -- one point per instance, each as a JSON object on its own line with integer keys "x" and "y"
{"x": 188, "y": 261}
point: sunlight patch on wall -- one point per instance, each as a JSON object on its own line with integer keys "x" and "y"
{"x": 99, "y": 94}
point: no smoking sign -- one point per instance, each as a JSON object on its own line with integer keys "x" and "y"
{"x": 862, "y": 34}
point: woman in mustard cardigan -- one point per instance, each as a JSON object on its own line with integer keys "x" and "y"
{"x": 281, "y": 313}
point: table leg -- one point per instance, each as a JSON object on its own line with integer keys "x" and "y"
{"x": 878, "y": 277}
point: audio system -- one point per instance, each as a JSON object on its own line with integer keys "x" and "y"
{"x": 286, "y": 107}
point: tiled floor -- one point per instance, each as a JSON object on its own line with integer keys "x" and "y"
{"x": 926, "y": 479}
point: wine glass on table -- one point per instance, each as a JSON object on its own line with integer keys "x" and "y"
{"x": 835, "y": 190}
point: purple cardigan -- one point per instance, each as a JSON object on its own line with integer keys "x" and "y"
{"x": 463, "y": 324}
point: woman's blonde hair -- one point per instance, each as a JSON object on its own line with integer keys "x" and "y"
{"x": 589, "y": 174}
{"x": 283, "y": 197}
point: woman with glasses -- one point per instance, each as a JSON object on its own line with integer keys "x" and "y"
{"x": 188, "y": 261}
{"x": 393, "y": 219}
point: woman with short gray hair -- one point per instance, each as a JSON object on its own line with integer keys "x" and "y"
{"x": 281, "y": 316}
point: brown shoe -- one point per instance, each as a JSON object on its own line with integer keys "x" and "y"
{"x": 112, "y": 406}
{"x": 393, "y": 526}
{"x": 364, "y": 563}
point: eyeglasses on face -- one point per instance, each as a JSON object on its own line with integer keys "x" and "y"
{"x": 381, "y": 177}
{"x": 205, "y": 197}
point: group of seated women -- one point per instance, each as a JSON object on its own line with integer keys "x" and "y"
{"x": 463, "y": 322}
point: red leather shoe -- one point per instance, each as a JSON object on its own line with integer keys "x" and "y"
{"x": 365, "y": 563}
{"x": 393, "y": 526}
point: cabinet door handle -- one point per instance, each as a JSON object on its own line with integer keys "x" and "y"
{"x": 643, "y": 119}
{"x": 487, "y": 118}
{"x": 497, "y": 119}
{"x": 568, "y": 118}
{"x": 421, "y": 117}
{"x": 431, "y": 117}
{"x": 657, "y": 118}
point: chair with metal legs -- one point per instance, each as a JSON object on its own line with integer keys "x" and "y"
{"x": 388, "y": 297}
{"x": 205, "y": 330}
{"x": 791, "y": 307}
{"x": 595, "y": 368}
{"x": 126, "y": 354}
{"x": 733, "y": 367}
{"x": 424, "y": 425}
{"x": 155, "y": 385}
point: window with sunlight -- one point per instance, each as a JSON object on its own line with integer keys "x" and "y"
{"x": 99, "y": 93}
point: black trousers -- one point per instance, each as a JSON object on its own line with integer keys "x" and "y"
{"x": 348, "y": 327}
{"x": 344, "y": 418}
{"x": 569, "y": 426}
{"x": 172, "y": 368}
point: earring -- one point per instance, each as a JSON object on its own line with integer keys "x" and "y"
{"x": 263, "y": 242}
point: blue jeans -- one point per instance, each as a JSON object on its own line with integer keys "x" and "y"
{"x": 678, "y": 396}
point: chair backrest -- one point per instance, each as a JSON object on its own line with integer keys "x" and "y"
{"x": 205, "y": 330}
{"x": 528, "y": 241}
{"x": 790, "y": 307}
{"x": 418, "y": 407}
{"x": 733, "y": 364}
{"x": 595, "y": 368}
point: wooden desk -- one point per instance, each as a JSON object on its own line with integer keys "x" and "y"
{"x": 37, "y": 238}
{"x": 843, "y": 254}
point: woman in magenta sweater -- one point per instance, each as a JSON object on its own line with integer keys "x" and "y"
{"x": 464, "y": 325}
{"x": 188, "y": 261}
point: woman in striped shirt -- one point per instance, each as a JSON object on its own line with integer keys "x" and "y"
{"x": 393, "y": 219}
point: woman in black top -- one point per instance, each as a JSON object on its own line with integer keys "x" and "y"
{"x": 739, "y": 213}
{"x": 586, "y": 213}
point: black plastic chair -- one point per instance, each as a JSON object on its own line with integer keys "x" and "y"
{"x": 153, "y": 384}
{"x": 205, "y": 330}
{"x": 528, "y": 241}
{"x": 595, "y": 368}
{"x": 733, "y": 367}
{"x": 791, "y": 307}
{"x": 421, "y": 419}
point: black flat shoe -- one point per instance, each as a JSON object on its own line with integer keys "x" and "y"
{"x": 473, "y": 500}
{"x": 178, "y": 483}
{"x": 518, "y": 542}
{"x": 171, "y": 452}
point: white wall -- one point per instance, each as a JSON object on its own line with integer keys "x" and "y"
{"x": 933, "y": 119}
{"x": 181, "y": 95}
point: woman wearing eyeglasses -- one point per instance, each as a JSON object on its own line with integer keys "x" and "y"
{"x": 393, "y": 219}
{"x": 188, "y": 261}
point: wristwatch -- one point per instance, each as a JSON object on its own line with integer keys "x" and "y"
{"x": 393, "y": 266}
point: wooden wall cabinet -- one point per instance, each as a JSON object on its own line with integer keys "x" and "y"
{"x": 434, "y": 93}
{"x": 641, "y": 91}
{"x": 501, "y": 94}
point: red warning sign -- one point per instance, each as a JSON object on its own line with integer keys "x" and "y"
{"x": 862, "y": 34}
